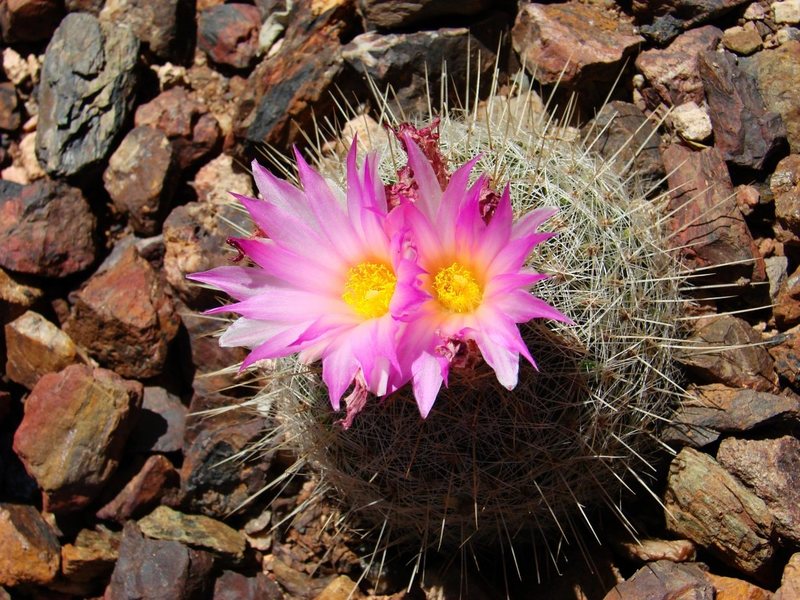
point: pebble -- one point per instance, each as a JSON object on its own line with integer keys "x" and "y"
{"x": 91, "y": 556}
{"x": 784, "y": 183}
{"x": 787, "y": 11}
{"x": 691, "y": 122}
{"x": 31, "y": 552}
{"x": 743, "y": 40}
{"x": 145, "y": 486}
{"x": 228, "y": 34}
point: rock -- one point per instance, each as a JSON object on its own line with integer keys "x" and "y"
{"x": 88, "y": 6}
{"x": 235, "y": 586}
{"x": 555, "y": 44}
{"x": 705, "y": 503}
{"x": 663, "y": 30}
{"x": 29, "y": 20}
{"x": 86, "y": 93}
{"x": 387, "y": 14}
{"x": 161, "y": 424}
{"x": 193, "y": 132}
{"x": 46, "y": 229}
{"x": 739, "y": 359}
{"x": 729, "y": 588}
{"x": 673, "y": 71}
{"x": 87, "y": 414}
{"x": 91, "y": 556}
{"x": 745, "y": 133}
{"x": 771, "y": 468}
{"x": 705, "y": 222}
{"x": 341, "y": 588}
{"x": 786, "y": 354}
{"x": 27, "y": 158}
{"x": 785, "y": 186}
{"x": 664, "y": 580}
{"x": 216, "y": 180}
{"x": 620, "y": 130}
{"x": 790, "y": 581}
{"x": 36, "y": 347}
{"x": 645, "y": 551}
{"x": 10, "y": 119}
{"x": 20, "y": 71}
{"x": 141, "y": 178}
{"x": 787, "y": 306}
{"x": 691, "y": 122}
{"x": 155, "y": 478}
{"x": 165, "y": 523}
{"x": 31, "y": 552}
{"x": 16, "y": 297}
{"x": 228, "y": 34}
{"x": 716, "y": 409}
{"x": 787, "y": 11}
{"x": 742, "y": 40}
{"x": 165, "y": 27}
{"x": 748, "y": 197}
{"x": 157, "y": 569}
{"x": 692, "y": 11}
{"x": 776, "y": 72}
{"x": 124, "y": 317}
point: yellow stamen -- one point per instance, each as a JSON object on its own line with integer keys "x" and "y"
{"x": 369, "y": 289}
{"x": 456, "y": 288}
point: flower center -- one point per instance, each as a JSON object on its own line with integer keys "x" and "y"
{"x": 456, "y": 288}
{"x": 369, "y": 289}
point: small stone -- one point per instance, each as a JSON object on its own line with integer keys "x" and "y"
{"x": 786, "y": 354}
{"x": 787, "y": 11}
{"x": 706, "y": 504}
{"x": 235, "y": 586}
{"x": 124, "y": 317}
{"x": 341, "y": 588}
{"x": 46, "y": 229}
{"x": 216, "y": 180}
{"x": 691, "y": 122}
{"x": 228, "y": 34}
{"x": 771, "y": 468}
{"x": 141, "y": 178}
{"x": 193, "y": 132}
{"x": 31, "y": 552}
{"x": 672, "y": 71}
{"x": 787, "y": 306}
{"x": 742, "y": 40}
{"x": 161, "y": 424}
{"x": 645, "y": 551}
{"x": 785, "y": 186}
{"x": 91, "y": 556}
{"x": 694, "y": 11}
{"x": 165, "y": 26}
{"x": 16, "y": 297}
{"x": 745, "y": 133}
{"x": 165, "y": 523}
{"x": 87, "y": 414}
{"x": 388, "y": 14}
{"x": 29, "y": 20}
{"x": 663, "y": 30}
{"x": 86, "y": 93}
{"x": 88, "y": 6}
{"x": 556, "y": 45}
{"x": 36, "y": 347}
{"x": 747, "y": 199}
{"x": 790, "y": 580}
{"x": 155, "y": 478}
{"x": 755, "y": 12}
{"x": 729, "y": 588}
{"x": 20, "y": 70}
{"x": 664, "y": 580}
{"x": 10, "y": 119}
{"x": 27, "y": 158}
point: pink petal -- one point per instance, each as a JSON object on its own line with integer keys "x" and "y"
{"x": 238, "y": 282}
{"x": 338, "y": 369}
{"x": 282, "y": 194}
{"x": 452, "y": 199}
{"x": 530, "y": 222}
{"x": 249, "y": 332}
{"x": 427, "y": 382}
{"x": 522, "y": 306}
{"x": 281, "y": 304}
{"x": 502, "y": 284}
{"x": 430, "y": 192}
{"x": 515, "y": 253}
{"x": 280, "y": 344}
{"x": 498, "y": 231}
{"x": 505, "y": 362}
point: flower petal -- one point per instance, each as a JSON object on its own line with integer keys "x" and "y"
{"x": 430, "y": 192}
{"x": 238, "y": 282}
{"x": 338, "y": 369}
{"x": 531, "y": 221}
{"x": 427, "y": 382}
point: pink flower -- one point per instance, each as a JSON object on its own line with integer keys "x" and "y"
{"x": 474, "y": 284}
{"x": 330, "y": 274}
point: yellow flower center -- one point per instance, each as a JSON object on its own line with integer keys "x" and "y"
{"x": 369, "y": 289}
{"x": 456, "y": 288}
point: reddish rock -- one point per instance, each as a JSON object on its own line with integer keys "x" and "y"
{"x": 228, "y": 34}
{"x": 235, "y": 586}
{"x": 786, "y": 354}
{"x": 790, "y": 581}
{"x": 92, "y": 7}
{"x": 141, "y": 178}
{"x": 91, "y": 556}
{"x": 16, "y": 297}
{"x": 556, "y": 45}
{"x": 730, "y": 588}
{"x": 36, "y": 347}
{"x": 664, "y": 580}
{"x": 191, "y": 129}
{"x": 694, "y": 11}
{"x": 787, "y": 305}
{"x": 785, "y": 186}
{"x": 705, "y": 222}
{"x": 745, "y": 133}
{"x": 87, "y": 414}
{"x": 165, "y": 27}
{"x": 706, "y": 504}
{"x": 388, "y": 14}
{"x": 10, "y": 119}
{"x": 161, "y": 424}
{"x": 29, "y": 20}
{"x": 31, "y": 552}
{"x": 157, "y": 569}
{"x": 124, "y": 317}
{"x": 649, "y": 550}
{"x": 155, "y": 478}
{"x": 673, "y": 72}
{"x": 46, "y": 229}
{"x": 771, "y": 468}
{"x": 216, "y": 180}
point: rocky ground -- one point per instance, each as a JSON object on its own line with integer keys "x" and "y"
{"x": 123, "y": 123}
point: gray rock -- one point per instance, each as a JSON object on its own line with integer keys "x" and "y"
{"x": 86, "y": 93}
{"x": 164, "y": 26}
{"x": 390, "y": 14}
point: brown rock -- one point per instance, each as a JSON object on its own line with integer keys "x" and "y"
{"x": 36, "y": 347}
{"x": 706, "y": 504}
{"x": 787, "y": 305}
{"x": 705, "y": 222}
{"x": 165, "y": 26}
{"x": 31, "y": 551}
{"x": 673, "y": 70}
{"x": 664, "y": 580}
{"x": 738, "y": 359}
{"x": 191, "y": 129}
{"x": 141, "y": 177}
{"x": 729, "y": 588}
{"x": 772, "y": 469}
{"x": 124, "y": 317}
{"x": 157, "y": 569}
{"x": 776, "y": 72}
{"x": 165, "y": 523}
{"x": 87, "y": 414}
{"x": 790, "y": 581}
{"x": 92, "y": 7}
{"x": 228, "y": 34}
{"x": 341, "y": 588}
{"x": 786, "y": 354}
{"x": 715, "y": 409}
{"x": 745, "y": 133}
{"x": 692, "y": 123}
{"x": 29, "y": 20}
{"x": 694, "y": 11}
{"x": 645, "y": 551}
{"x": 235, "y": 586}
{"x": 161, "y": 424}
{"x": 16, "y": 297}
{"x": 156, "y": 478}
{"x": 46, "y": 229}
{"x": 10, "y": 119}
{"x": 388, "y": 14}
{"x": 742, "y": 40}
{"x": 91, "y": 556}
{"x": 216, "y": 180}
{"x": 785, "y": 186}
{"x": 572, "y": 43}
